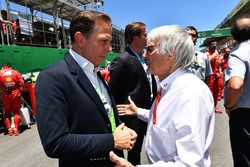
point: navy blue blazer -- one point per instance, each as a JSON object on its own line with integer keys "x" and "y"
{"x": 72, "y": 122}
{"x": 128, "y": 78}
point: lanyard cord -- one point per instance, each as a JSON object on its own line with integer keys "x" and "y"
{"x": 108, "y": 108}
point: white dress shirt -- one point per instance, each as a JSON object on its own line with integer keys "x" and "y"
{"x": 184, "y": 125}
{"x": 91, "y": 71}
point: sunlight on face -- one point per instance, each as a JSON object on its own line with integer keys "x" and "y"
{"x": 158, "y": 64}
{"x": 98, "y": 44}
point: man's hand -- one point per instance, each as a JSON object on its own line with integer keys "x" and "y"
{"x": 133, "y": 138}
{"x": 124, "y": 137}
{"x": 119, "y": 162}
{"x": 127, "y": 109}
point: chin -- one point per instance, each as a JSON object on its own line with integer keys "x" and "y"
{"x": 150, "y": 71}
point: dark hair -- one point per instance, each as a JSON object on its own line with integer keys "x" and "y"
{"x": 212, "y": 41}
{"x": 241, "y": 30}
{"x": 132, "y": 30}
{"x": 84, "y": 22}
{"x": 7, "y": 64}
{"x": 4, "y": 14}
{"x": 190, "y": 28}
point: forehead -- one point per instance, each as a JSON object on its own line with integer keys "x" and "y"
{"x": 102, "y": 25}
{"x": 243, "y": 21}
{"x": 213, "y": 44}
{"x": 191, "y": 31}
{"x": 151, "y": 42}
{"x": 143, "y": 28}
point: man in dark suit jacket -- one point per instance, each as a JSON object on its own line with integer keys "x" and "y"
{"x": 129, "y": 77}
{"x": 76, "y": 114}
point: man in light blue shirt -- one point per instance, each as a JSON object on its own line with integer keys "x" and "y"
{"x": 201, "y": 66}
{"x": 237, "y": 92}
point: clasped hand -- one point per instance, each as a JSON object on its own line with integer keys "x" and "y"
{"x": 124, "y": 137}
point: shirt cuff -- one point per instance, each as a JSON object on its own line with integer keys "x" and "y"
{"x": 143, "y": 114}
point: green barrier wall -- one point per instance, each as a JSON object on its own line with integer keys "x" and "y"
{"x": 27, "y": 59}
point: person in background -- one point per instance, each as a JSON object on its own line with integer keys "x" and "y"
{"x": 201, "y": 66}
{"x": 105, "y": 72}
{"x": 237, "y": 92}
{"x": 6, "y": 29}
{"x": 225, "y": 54}
{"x": 77, "y": 118}
{"x": 216, "y": 78}
{"x": 11, "y": 82}
{"x": 129, "y": 77}
{"x": 181, "y": 120}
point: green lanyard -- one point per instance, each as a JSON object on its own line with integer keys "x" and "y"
{"x": 108, "y": 108}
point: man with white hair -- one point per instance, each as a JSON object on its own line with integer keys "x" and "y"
{"x": 181, "y": 120}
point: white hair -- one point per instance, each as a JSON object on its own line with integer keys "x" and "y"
{"x": 174, "y": 41}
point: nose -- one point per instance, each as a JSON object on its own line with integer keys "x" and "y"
{"x": 144, "y": 55}
{"x": 108, "y": 48}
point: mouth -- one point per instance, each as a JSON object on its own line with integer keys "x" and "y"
{"x": 148, "y": 63}
{"x": 102, "y": 56}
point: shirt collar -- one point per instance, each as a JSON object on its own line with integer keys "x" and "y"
{"x": 166, "y": 82}
{"x": 138, "y": 56}
{"x": 84, "y": 63}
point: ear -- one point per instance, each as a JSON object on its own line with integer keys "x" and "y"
{"x": 135, "y": 38}
{"x": 79, "y": 38}
{"x": 172, "y": 55}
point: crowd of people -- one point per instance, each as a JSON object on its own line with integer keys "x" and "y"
{"x": 159, "y": 88}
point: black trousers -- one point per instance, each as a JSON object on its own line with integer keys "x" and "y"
{"x": 140, "y": 127}
{"x": 239, "y": 124}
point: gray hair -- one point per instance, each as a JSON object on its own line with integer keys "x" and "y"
{"x": 174, "y": 40}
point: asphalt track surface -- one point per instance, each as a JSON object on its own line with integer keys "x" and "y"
{"x": 26, "y": 149}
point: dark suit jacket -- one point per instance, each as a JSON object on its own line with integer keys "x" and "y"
{"x": 128, "y": 78}
{"x": 72, "y": 122}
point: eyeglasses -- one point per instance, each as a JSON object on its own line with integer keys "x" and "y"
{"x": 149, "y": 49}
